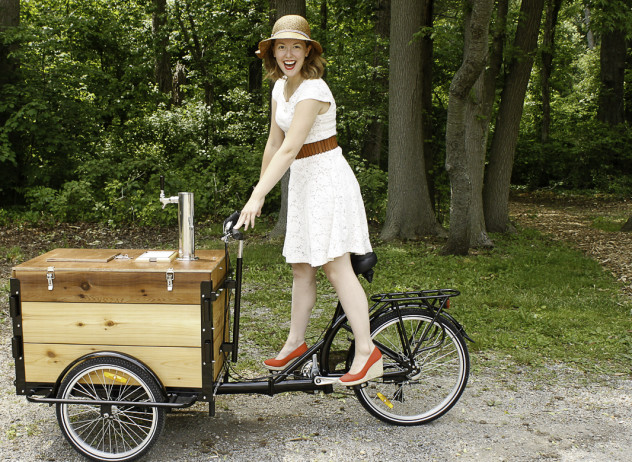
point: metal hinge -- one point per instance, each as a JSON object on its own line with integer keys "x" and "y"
{"x": 50, "y": 275}
{"x": 170, "y": 277}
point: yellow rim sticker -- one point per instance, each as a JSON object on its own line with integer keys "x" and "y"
{"x": 115, "y": 378}
{"x": 385, "y": 400}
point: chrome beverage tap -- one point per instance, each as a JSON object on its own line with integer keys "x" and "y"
{"x": 186, "y": 227}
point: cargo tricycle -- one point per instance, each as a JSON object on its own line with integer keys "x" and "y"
{"x": 116, "y": 338}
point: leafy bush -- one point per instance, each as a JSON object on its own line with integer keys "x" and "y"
{"x": 594, "y": 156}
{"x": 73, "y": 202}
{"x": 180, "y": 143}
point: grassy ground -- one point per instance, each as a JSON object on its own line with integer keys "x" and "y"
{"x": 529, "y": 299}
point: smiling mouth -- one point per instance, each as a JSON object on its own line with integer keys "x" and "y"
{"x": 289, "y": 65}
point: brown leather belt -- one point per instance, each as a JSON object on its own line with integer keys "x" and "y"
{"x": 311, "y": 149}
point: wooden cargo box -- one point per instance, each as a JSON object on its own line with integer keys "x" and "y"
{"x": 72, "y": 302}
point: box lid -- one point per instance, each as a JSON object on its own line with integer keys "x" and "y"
{"x": 123, "y": 260}
{"x": 116, "y": 276}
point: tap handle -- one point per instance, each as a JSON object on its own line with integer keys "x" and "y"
{"x": 162, "y": 182}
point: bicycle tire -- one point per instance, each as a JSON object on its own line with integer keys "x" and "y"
{"x": 438, "y": 377}
{"x": 110, "y": 433}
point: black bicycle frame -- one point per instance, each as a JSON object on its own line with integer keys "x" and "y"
{"x": 433, "y": 300}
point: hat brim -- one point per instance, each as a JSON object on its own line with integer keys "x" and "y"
{"x": 265, "y": 45}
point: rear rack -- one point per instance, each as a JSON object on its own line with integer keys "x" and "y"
{"x": 429, "y": 297}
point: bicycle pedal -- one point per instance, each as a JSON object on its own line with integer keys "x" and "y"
{"x": 326, "y": 380}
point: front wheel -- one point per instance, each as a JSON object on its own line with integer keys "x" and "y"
{"x": 426, "y": 366}
{"x": 110, "y": 432}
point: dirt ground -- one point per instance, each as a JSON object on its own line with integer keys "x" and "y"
{"x": 507, "y": 413}
{"x": 570, "y": 220}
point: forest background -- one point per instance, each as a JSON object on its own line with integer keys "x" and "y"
{"x": 444, "y": 108}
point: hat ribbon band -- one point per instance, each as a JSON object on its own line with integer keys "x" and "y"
{"x": 292, "y": 30}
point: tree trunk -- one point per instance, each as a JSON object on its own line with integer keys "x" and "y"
{"x": 612, "y": 58}
{"x": 590, "y": 37}
{"x": 178, "y": 80}
{"x": 9, "y": 18}
{"x": 323, "y": 25}
{"x": 409, "y": 213}
{"x": 427, "y": 63}
{"x": 503, "y": 148}
{"x": 197, "y": 49}
{"x": 255, "y": 70}
{"x": 162, "y": 59}
{"x": 548, "y": 48}
{"x": 457, "y": 162}
{"x": 627, "y": 98}
{"x": 373, "y": 144}
{"x": 9, "y": 66}
{"x": 284, "y": 7}
{"x": 477, "y": 122}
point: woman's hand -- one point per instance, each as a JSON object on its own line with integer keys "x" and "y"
{"x": 251, "y": 210}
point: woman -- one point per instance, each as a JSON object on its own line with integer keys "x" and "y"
{"x": 326, "y": 220}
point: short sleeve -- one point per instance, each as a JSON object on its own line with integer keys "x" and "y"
{"x": 324, "y": 125}
{"x": 314, "y": 89}
{"x": 277, "y": 90}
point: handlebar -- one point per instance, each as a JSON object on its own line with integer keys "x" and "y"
{"x": 229, "y": 231}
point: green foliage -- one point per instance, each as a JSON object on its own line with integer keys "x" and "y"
{"x": 582, "y": 153}
{"x": 88, "y": 132}
{"x": 82, "y": 71}
{"x": 180, "y": 143}
{"x": 594, "y": 156}
{"x": 71, "y": 203}
{"x": 85, "y": 133}
{"x": 609, "y": 15}
{"x": 373, "y": 184}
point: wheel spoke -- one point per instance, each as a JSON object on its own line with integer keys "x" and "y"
{"x": 133, "y": 430}
{"x": 432, "y": 375}
{"x": 125, "y": 445}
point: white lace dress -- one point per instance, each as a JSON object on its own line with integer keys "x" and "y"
{"x": 326, "y": 216}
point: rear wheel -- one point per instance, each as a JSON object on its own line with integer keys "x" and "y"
{"x": 110, "y": 432}
{"x": 426, "y": 367}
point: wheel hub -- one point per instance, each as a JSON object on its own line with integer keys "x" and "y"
{"x": 106, "y": 411}
{"x": 415, "y": 374}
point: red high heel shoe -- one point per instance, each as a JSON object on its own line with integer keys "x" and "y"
{"x": 371, "y": 370}
{"x": 280, "y": 364}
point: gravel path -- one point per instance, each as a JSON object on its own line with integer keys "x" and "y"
{"x": 505, "y": 414}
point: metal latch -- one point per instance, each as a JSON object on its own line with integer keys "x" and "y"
{"x": 50, "y": 275}
{"x": 170, "y": 277}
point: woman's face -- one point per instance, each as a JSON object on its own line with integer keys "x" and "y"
{"x": 290, "y": 55}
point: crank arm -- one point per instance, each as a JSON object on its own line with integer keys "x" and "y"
{"x": 326, "y": 380}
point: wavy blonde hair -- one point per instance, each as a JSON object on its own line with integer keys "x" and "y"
{"x": 313, "y": 67}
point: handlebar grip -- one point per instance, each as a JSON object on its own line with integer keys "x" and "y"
{"x": 162, "y": 182}
{"x": 230, "y": 222}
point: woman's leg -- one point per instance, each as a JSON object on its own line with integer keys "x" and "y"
{"x": 356, "y": 306}
{"x": 303, "y": 300}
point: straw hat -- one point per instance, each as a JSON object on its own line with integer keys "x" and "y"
{"x": 291, "y": 26}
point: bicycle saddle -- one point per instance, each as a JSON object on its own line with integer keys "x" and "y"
{"x": 363, "y": 264}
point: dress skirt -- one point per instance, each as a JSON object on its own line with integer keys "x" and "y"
{"x": 325, "y": 216}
